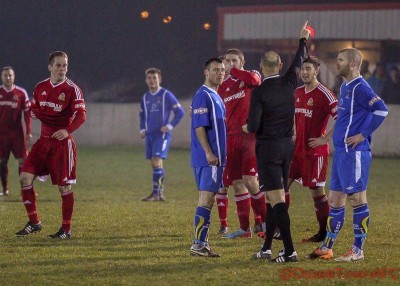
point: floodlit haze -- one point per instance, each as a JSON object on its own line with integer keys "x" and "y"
{"x": 110, "y": 43}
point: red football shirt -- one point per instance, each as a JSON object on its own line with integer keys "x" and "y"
{"x": 55, "y": 104}
{"x": 235, "y": 91}
{"x": 312, "y": 111}
{"x": 13, "y": 103}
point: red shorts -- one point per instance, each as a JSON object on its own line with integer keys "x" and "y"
{"x": 310, "y": 170}
{"x": 14, "y": 144}
{"x": 226, "y": 182}
{"x": 241, "y": 158}
{"x": 54, "y": 157}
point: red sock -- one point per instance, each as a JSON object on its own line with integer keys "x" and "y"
{"x": 222, "y": 203}
{"x": 67, "y": 209}
{"x": 321, "y": 211}
{"x": 243, "y": 210}
{"x": 287, "y": 199}
{"x": 259, "y": 207}
{"x": 29, "y": 199}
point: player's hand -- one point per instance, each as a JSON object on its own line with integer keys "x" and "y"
{"x": 164, "y": 129}
{"x": 245, "y": 130}
{"x": 315, "y": 142}
{"x": 228, "y": 67}
{"x": 33, "y": 116}
{"x": 355, "y": 140}
{"x": 60, "y": 134}
{"x": 304, "y": 33}
{"x": 28, "y": 137}
{"x": 143, "y": 134}
{"x": 211, "y": 159}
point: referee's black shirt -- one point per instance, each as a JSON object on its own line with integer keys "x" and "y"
{"x": 271, "y": 113}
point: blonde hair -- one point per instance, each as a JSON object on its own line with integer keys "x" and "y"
{"x": 353, "y": 54}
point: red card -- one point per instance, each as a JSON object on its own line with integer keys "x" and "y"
{"x": 311, "y": 30}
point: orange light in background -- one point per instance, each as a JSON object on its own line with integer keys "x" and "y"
{"x": 206, "y": 26}
{"x": 144, "y": 15}
{"x": 167, "y": 19}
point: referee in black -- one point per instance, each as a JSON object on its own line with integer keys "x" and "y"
{"x": 271, "y": 117}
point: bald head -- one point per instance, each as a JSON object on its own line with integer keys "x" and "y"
{"x": 270, "y": 60}
{"x": 353, "y": 54}
{"x": 270, "y": 63}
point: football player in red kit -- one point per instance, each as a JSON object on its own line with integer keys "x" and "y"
{"x": 241, "y": 166}
{"x": 13, "y": 102}
{"x": 58, "y": 103}
{"x": 314, "y": 104}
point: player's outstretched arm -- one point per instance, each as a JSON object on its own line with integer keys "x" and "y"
{"x": 304, "y": 33}
{"x": 251, "y": 78}
{"x": 293, "y": 73}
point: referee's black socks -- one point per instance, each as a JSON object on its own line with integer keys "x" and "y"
{"x": 283, "y": 222}
{"x": 270, "y": 225}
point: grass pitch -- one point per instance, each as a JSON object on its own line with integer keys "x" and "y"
{"x": 119, "y": 240}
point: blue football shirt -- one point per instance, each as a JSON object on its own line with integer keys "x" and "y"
{"x": 155, "y": 111}
{"x": 360, "y": 110}
{"x": 208, "y": 111}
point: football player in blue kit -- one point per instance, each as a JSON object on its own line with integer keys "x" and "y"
{"x": 155, "y": 127}
{"x": 208, "y": 151}
{"x": 360, "y": 113}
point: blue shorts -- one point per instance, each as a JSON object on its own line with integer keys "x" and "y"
{"x": 350, "y": 171}
{"x": 208, "y": 178}
{"x": 157, "y": 146}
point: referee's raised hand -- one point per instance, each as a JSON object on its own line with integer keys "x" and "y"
{"x": 304, "y": 33}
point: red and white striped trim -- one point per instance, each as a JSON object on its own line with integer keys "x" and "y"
{"x": 78, "y": 92}
{"x": 221, "y": 196}
{"x": 257, "y": 196}
{"x": 67, "y": 193}
{"x": 70, "y": 157}
{"x": 242, "y": 197}
{"x": 26, "y": 188}
{"x": 329, "y": 95}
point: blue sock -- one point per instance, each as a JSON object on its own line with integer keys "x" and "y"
{"x": 360, "y": 225}
{"x": 201, "y": 224}
{"x": 158, "y": 180}
{"x": 333, "y": 226}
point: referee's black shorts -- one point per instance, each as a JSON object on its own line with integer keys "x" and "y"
{"x": 273, "y": 162}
